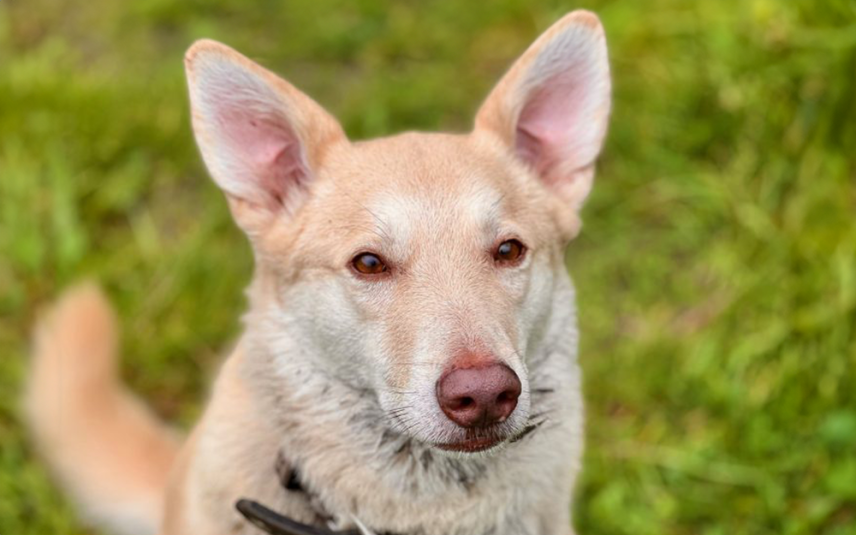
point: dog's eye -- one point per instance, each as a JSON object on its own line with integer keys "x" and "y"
{"x": 368, "y": 264}
{"x": 509, "y": 251}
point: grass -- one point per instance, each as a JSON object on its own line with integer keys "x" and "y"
{"x": 716, "y": 272}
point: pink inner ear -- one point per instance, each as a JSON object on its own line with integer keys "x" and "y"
{"x": 550, "y": 129}
{"x": 268, "y": 150}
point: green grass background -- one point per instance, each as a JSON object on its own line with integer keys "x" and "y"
{"x": 716, "y": 271}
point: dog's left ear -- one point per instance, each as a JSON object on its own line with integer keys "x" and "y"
{"x": 551, "y": 109}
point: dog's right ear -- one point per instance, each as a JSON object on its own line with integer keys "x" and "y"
{"x": 262, "y": 139}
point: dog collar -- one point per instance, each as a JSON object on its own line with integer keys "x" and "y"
{"x": 277, "y": 524}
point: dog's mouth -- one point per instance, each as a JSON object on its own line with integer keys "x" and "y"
{"x": 456, "y": 439}
{"x": 471, "y": 445}
{"x": 475, "y": 442}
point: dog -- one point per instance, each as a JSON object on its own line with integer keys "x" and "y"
{"x": 408, "y": 363}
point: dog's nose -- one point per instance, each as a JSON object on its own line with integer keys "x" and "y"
{"x": 478, "y": 396}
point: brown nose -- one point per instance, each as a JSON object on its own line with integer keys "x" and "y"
{"x": 478, "y": 396}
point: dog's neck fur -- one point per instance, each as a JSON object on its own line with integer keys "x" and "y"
{"x": 355, "y": 462}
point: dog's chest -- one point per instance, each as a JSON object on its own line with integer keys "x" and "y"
{"x": 454, "y": 499}
{"x": 406, "y": 490}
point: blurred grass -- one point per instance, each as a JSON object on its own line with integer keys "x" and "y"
{"x": 716, "y": 273}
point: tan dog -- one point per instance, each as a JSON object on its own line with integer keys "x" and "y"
{"x": 409, "y": 357}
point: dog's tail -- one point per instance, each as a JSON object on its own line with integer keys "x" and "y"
{"x": 103, "y": 445}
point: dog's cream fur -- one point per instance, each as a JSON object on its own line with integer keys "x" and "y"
{"x": 335, "y": 372}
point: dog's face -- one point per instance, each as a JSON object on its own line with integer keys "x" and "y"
{"x": 420, "y": 267}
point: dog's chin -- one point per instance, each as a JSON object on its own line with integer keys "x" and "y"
{"x": 479, "y": 442}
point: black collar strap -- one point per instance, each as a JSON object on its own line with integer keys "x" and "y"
{"x": 277, "y": 524}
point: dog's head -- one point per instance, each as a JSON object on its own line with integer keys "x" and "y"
{"x": 420, "y": 267}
